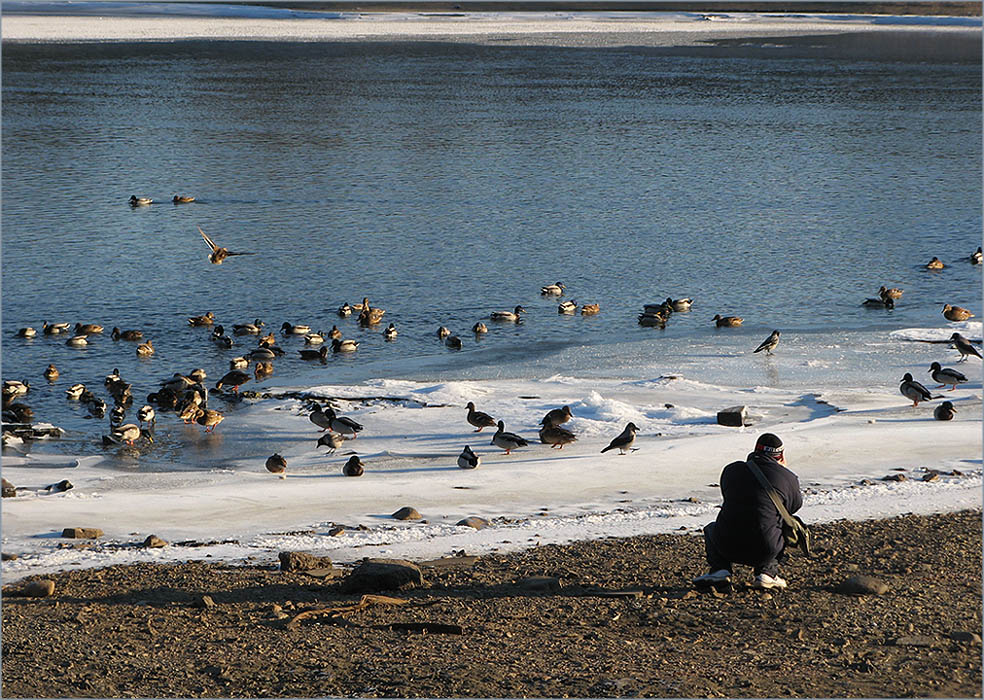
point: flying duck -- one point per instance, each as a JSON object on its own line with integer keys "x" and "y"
{"x": 217, "y": 254}
{"x": 956, "y": 313}
{"x": 347, "y": 345}
{"x": 51, "y": 373}
{"x": 507, "y": 441}
{"x": 276, "y": 464}
{"x": 508, "y": 315}
{"x": 935, "y": 264}
{"x": 206, "y": 320}
{"x": 468, "y": 459}
{"x": 769, "y": 344}
{"x": 964, "y": 346}
{"x": 567, "y": 307}
{"x": 590, "y": 309}
{"x": 553, "y": 290}
{"x": 945, "y": 410}
{"x": 727, "y": 321}
{"x": 556, "y": 416}
{"x": 911, "y": 389}
{"x": 946, "y": 375}
{"x": 234, "y": 378}
{"x": 390, "y": 332}
{"x": 353, "y": 467}
{"x": 556, "y": 436}
{"x": 624, "y": 441}
{"x": 479, "y": 419}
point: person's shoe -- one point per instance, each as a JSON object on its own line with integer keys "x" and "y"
{"x": 714, "y": 577}
{"x": 765, "y": 581}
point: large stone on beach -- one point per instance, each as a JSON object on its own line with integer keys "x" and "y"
{"x": 82, "y": 533}
{"x": 863, "y": 585}
{"x": 383, "y": 575}
{"x": 474, "y": 521}
{"x": 733, "y": 417}
{"x": 406, "y": 513}
{"x": 41, "y": 588}
{"x": 9, "y": 490}
{"x": 302, "y": 561}
{"x": 154, "y": 542}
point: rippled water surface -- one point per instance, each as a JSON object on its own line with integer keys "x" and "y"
{"x": 446, "y": 181}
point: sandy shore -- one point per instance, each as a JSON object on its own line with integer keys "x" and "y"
{"x": 549, "y": 29}
{"x": 610, "y": 618}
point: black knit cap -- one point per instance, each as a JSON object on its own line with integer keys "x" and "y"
{"x": 769, "y": 444}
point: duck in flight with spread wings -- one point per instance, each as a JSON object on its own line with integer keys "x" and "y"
{"x": 218, "y": 253}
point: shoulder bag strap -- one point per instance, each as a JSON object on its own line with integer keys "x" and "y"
{"x": 787, "y": 518}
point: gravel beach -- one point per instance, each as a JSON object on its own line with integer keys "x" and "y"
{"x": 610, "y": 618}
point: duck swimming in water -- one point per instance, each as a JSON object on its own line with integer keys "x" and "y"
{"x": 508, "y": 315}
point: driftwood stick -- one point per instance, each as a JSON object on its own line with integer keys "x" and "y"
{"x": 338, "y": 612}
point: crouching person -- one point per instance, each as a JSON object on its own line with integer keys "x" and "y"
{"x": 748, "y": 529}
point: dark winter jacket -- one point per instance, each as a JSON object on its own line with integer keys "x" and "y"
{"x": 749, "y": 527}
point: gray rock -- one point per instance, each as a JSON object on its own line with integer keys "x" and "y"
{"x": 82, "y": 533}
{"x": 962, "y": 636}
{"x": 863, "y": 585}
{"x": 894, "y": 477}
{"x": 383, "y": 575}
{"x": 407, "y": 513}
{"x": 42, "y": 588}
{"x": 9, "y": 490}
{"x": 301, "y": 561}
{"x": 153, "y": 542}
{"x": 474, "y": 521}
{"x": 8, "y": 556}
{"x": 733, "y": 417}
{"x": 915, "y": 641}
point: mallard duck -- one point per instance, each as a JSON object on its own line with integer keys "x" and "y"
{"x": 238, "y": 363}
{"x": 267, "y": 341}
{"x": 679, "y": 305}
{"x": 189, "y": 411}
{"x": 315, "y": 338}
{"x": 145, "y": 349}
{"x": 87, "y": 328}
{"x": 624, "y": 441}
{"x": 344, "y": 345}
{"x": 54, "y": 328}
{"x": 956, "y": 313}
{"x": 468, "y": 459}
{"x": 935, "y": 264}
{"x": 130, "y": 433}
{"x": 911, "y": 389}
{"x": 977, "y": 257}
{"x": 478, "y": 418}
{"x": 179, "y": 199}
{"x": 443, "y": 332}
{"x": 263, "y": 353}
{"x": 74, "y": 392}
{"x": 276, "y": 464}
{"x": 508, "y": 315}
{"x": 652, "y": 321}
{"x": 206, "y": 320}
{"x": 177, "y": 382}
{"x": 97, "y": 407}
{"x": 331, "y": 440}
{"x": 117, "y": 415}
{"x": 122, "y": 393}
{"x": 353, "y": 467}
{"x": 209, "y": 419}
{"x": 262, "y": 370}
{"x": 769, "y": 344}
{"x": 371, "y": 317}
{"x": 945, "y": 410}
{"x": 221, "y": 339}
{"x": 26, "y": 332}
{"x": 963, "y": 346}
{"x": 661, "y": 309}
{"x": 507, "y": 441}
{"x": 880, "y": 303}
{"x": 590, "y": 309}
{"x": 557, "y": 416}
{"x": 727, "y": 321}
{"x": 567, "y": 307}
{"x": 112, "y": 379}
{"x": 341, "y": 424}
{"x": 319, "y": 417}
{"x": 453, "y": 342}
{"x": 288, "y": 329}
{"x": 218, "y": 253}
{"x": 77, "y": 341}
{"x": 553, "y": 290}
{"x": 136, "y": 201}
{"x": 117, "y": 334}
{"x": 390, "y": 332}
{"x": 890, "y": 293}
{"x": 946, "y": 375}
{"x": 51, "y": 373}
{"x": 319, "y": 354}
{"x": 335, "y": 333}
{"x": 17, "y": 413}
{"x": 147, "y": 415}
{"x": 15, "y": 387}
{"x": 253, "y": 328}
{"x": 556, "y": 436}
{"x": 345, "y": 310}
{"x": 234, "y": 378}
{"x": 480, "y": 328}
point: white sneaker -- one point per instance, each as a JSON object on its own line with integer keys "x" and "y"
{"x": 766, "y": 581}
{"x": 719, "y": 576}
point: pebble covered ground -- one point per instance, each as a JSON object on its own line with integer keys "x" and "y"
{"x": 610, "y": 618}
